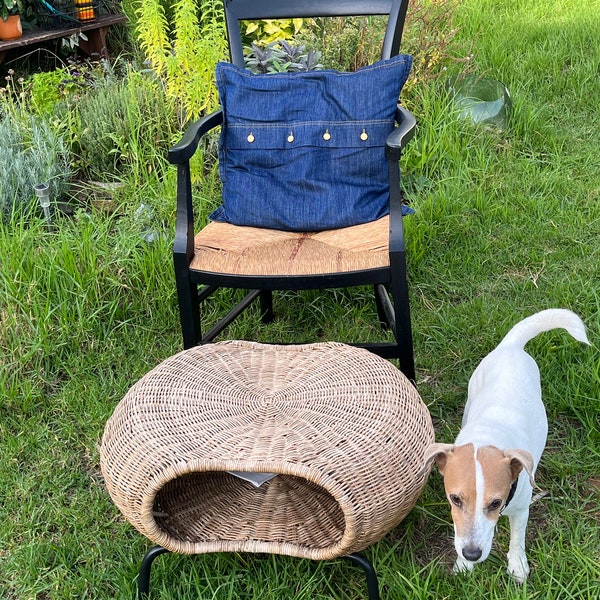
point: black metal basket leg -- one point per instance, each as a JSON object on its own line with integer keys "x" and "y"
{"x": 153, "y": 553}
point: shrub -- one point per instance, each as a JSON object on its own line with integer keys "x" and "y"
{"x": 31, "y": 152}
{"x": 123, "y": 123}
{"x": 184, "y": 53}
{"x": 429, "y": 35}
{"x": 279, "y": 56}
{"x": 345, "y": 43}
{"x": 270, "y": 30}
{"x": 32, "y": 149}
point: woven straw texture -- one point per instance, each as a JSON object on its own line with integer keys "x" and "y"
{"x": 225, "y": 248}
{"x": 344, "y": 430}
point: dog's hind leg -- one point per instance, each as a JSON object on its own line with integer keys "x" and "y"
{"x": 517, "y": 559}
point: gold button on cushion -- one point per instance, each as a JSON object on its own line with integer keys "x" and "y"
{"x": 364, "y": 136}
{"x": 250, "y": 138}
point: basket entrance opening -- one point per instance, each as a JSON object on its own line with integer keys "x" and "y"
{"x": 213, "y": 506}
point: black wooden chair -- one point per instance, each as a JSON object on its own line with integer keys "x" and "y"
{"x": 263, "y": 260}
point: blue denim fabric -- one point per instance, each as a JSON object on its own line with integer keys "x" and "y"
{"x": 305, "y": 151}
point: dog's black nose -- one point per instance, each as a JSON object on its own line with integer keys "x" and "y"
{"x": 471, "y": 553}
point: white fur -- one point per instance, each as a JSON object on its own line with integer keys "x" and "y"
{"x": 504, "y": 410}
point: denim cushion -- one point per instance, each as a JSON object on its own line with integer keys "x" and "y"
{"x": 305, "y": 151}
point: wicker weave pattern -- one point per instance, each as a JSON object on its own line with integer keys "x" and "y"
{"x": 343, "y": 428}
{"x": 225, "y": 248}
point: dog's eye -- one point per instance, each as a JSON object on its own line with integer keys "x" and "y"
{"x": 495, "y": 504}
{"x": 455, "y": 500}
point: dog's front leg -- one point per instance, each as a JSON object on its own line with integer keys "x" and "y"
{"x": 517, "y": 559}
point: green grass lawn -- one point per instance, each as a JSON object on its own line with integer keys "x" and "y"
{"x": 507, "y": 223}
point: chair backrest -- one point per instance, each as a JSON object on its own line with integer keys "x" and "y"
{"x": 249, "y": 10}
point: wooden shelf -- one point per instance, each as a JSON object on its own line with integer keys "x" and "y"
{"x": 95, "y": 31}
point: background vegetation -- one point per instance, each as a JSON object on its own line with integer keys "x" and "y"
{"x": 507, "y": 222}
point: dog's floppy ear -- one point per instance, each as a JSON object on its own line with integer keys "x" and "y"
{"x": 438, "y": 453}
{"x": 520, "y": 459}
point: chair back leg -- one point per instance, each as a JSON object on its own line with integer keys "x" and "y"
{"x": 266, "y": 306}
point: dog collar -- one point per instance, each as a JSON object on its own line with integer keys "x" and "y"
{"x": 511, "y": 493}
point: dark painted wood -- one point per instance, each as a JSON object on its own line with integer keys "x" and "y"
{"x": 95, "y": 31}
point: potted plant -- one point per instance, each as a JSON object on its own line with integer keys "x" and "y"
{"x": 10, "y": 20}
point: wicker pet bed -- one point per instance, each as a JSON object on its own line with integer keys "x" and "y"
{"x": 343, "y": 430}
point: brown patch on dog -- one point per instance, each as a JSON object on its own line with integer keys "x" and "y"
{"x": 499, "y": 471}
{"x": 459, "y": 482}
{"x": 458, "y": 466}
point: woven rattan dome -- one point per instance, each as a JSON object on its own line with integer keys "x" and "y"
{"x": 344, "y": 430}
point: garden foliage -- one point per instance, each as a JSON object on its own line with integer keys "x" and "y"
{"x": 122, "y": 124}
{"x": 184, "y": 39}
{"x": 81, "y": 123}
{"x": 32, "y": 150}
{"x": 185, "y": 51}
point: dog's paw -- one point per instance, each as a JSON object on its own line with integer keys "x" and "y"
{"x": 518, "y": 567}
{"x": 462, "y": 566}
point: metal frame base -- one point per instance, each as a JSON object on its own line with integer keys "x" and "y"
{"x": 153, "y": 553}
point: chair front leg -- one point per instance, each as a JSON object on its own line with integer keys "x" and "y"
{"x": 403, "y": 329}
{"x": 189, "y": 305}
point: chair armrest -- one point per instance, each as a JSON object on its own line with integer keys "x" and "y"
{"x": 393, "y": 149}
{"x": 180, "y": 154}
{"x": 185, "y": 148}
{"x": 401, "y": 134}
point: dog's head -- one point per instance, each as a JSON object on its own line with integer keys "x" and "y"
{"x": 478, "y": 484}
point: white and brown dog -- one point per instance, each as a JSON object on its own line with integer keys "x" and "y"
{"x": 489, "y": 469}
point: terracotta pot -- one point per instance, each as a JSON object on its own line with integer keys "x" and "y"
{"x": 11, "y": 29}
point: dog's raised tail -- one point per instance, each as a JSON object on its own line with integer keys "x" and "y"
{"x": 545, "y": 320}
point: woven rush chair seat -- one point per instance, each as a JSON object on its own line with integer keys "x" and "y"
{"x": 226, "y": 248}
{"x": 343, "y": 430}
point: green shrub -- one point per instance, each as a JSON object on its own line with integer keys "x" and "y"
{"x": 345, "y": 43}
{"x": 32, "y": 149}
{"x": 279, "y": 56}
{"x": 429, "y": 36}
{"x": 50, "y": 92}
{"x": 126, "y": 126}
{"x": 184, "y": 51}
{"x": 265, "y": 32}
